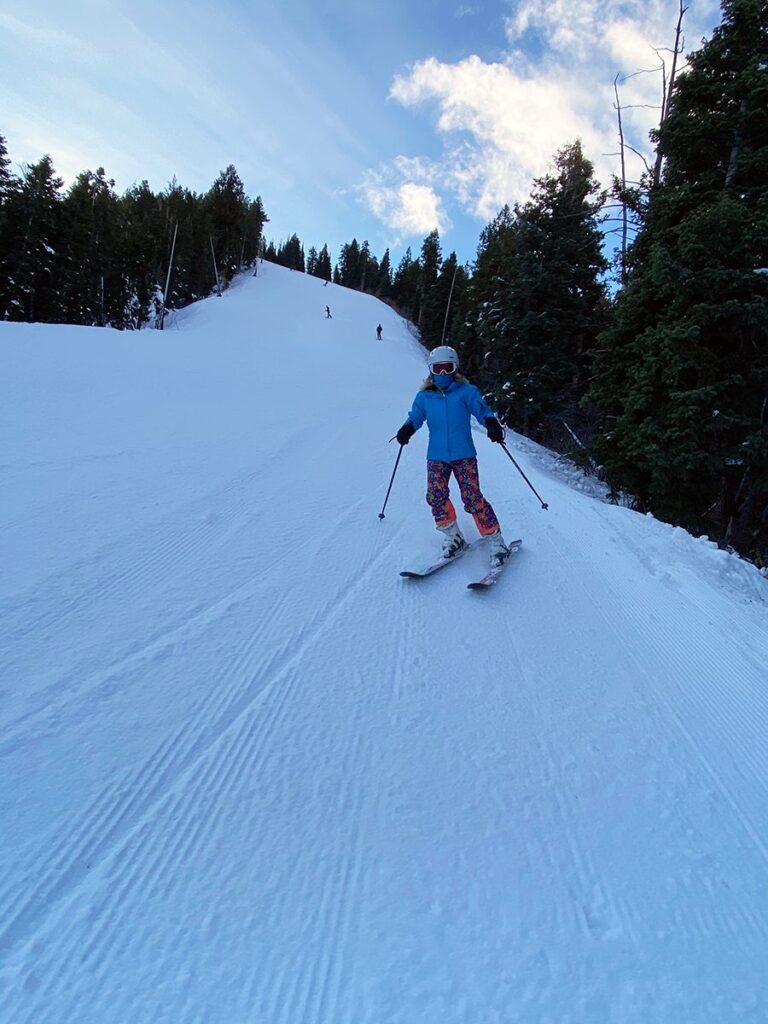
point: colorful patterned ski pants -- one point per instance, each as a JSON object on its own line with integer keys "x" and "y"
{"x": 465, "y": 471}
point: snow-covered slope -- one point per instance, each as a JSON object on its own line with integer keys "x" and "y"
{"x": 251, "y": 776}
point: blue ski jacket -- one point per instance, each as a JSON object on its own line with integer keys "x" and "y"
{"x": 448, "y": 415}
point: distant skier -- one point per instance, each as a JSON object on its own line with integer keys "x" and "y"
{"x": 378, "y": 332}
{"x": 328, "y": 313}
{"x": 447, "y": 401}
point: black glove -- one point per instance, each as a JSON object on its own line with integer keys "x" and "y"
{"x": 495, "y": 429}
{"x": 405, "y": 433}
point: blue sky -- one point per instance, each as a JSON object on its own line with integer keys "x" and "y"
{"x": 378, "y": 120}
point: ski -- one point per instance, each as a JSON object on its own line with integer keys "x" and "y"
{"x": 491, "y": 577}
{"x": 417, "y": 574}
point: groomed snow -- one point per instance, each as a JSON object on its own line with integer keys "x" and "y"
{"x": 252, "y": 776}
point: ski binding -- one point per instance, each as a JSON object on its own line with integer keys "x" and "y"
{"x": 490, "y": 578}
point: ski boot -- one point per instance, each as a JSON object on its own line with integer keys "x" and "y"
{"x": 453, "y": 542}
{"x": 497, "y": 549}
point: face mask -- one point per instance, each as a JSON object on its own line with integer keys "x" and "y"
{"x": 442, "y": 380}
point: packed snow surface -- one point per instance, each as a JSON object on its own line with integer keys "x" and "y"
{"x": 252, "y": 776}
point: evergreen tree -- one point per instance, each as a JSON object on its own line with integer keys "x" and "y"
{"x": 383, "y": 286}
{"x": 10, "y": 224}
{"x": 323, "y": 267}
{"x": 369, "y": 269}
{"x": 192, "y": 221}
{"x": 547, "y": 304}
{"x": 255, "y": 219}
{"x": 8, "y": 184}
{"x": 406, "y": 286}
{"x": 434, "y": 287}
{"x": 140, "y": 253}
{"x": 365, "y": 259}
{"x": 450, "y": 296}
{"x": 91, "y": 284}
{"x": 33, "y": 216}
{"x": 430, "y": 314}
{"x": 682, "y": 375}
{"x": 5, "y": 174}
{"x": 291, "y": 254}
{"x": 494, "y": 252}
{"x": 226, "y": 206}
{"x": 312, "y": 261}
{"x": 350, "y": 266}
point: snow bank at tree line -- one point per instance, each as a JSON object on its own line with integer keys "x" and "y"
{"x": 252, "y": 776}
{"x": 666, "y": 543}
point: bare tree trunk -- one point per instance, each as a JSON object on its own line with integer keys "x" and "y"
{"x": 738, "y": 143}
{"x": 668, "y": 91}
{"x": 31, "y": 300}
{"x": 741, "y": 506}
{"x": 622, "y": 276}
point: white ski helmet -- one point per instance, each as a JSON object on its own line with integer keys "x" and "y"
{"x": 443, "y": 354}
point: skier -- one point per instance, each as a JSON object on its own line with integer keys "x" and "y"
{"x": 378, "y": 333}
{"x": 447, "y": 401}
{"x": 328, "y": 313}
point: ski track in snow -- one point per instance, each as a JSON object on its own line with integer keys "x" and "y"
{"x": 254, "y": 776}
{"x": 244, "y": 681}
{"x": 158, "y": 560}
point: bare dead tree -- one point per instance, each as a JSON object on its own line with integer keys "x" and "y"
{"x": 738, "y": 143}
{"x": 624, "y": 211}
{"x": 668, "y": 88}
{"x": 652, "y": 173}
{"x": 623, "y": 147}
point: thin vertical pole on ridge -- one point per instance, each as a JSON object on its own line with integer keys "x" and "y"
{"x": 168, "y": 276}
{"x": 215, "y": 268}
{"x": 448, "y": 304}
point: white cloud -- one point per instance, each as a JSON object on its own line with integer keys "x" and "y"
{"x": 504, "y": 125}
{"x": 577, "y": 30}
{"x": 416, "y": 168}
{"x": 567, "y": 25}
{"x": 501, "y": 122}
{"x": 407, "y": 208}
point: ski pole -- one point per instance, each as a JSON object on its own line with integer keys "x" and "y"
{"x": 544, "y": 505}
{"x": 397, "y": 460}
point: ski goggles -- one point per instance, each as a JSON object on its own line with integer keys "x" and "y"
{"x": 447, "y": 367}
